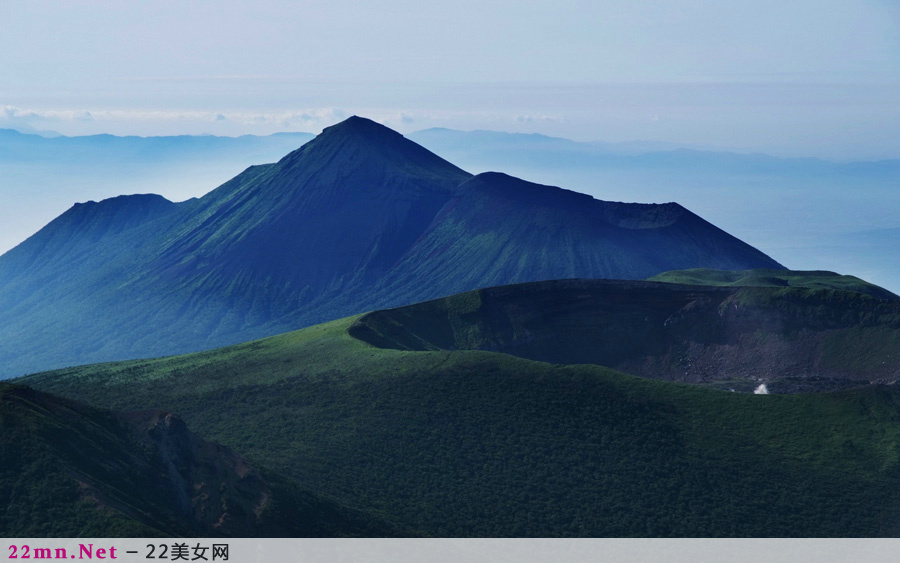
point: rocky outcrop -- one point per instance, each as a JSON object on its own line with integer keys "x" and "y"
{"x": 215, "y": 488}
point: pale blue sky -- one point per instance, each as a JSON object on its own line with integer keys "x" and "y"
{"x": 801, "y": 77}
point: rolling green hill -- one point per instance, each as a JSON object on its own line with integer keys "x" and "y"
{"x": 69, "y": 470}
{"x": 357, "y": 219}
{"x": 774, "y": 278}
{"x": 481, "y": 443}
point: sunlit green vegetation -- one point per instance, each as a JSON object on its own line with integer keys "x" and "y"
{"x": 813, "y": 279}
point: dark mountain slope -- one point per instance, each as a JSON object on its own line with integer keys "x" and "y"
{"x": 68, "y": 470}
{"x": 69, "y": 237}
{"x": 501, "y": 230}
{"x": 348, "y": 203}
{"x": 788, "y": 338}
{"x": 358, "y": 218}
{"x": 477, "y": 443}
{"x": 61, "y": 291}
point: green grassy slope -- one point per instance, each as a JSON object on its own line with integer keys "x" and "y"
{"x": 813, "y": 279}
{"x": 475, "y": 443}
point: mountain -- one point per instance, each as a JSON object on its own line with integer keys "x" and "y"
{"x": 819, "y": 336}
{"x": 91, "y": 149}
{"x": 807, "y": 211}
{"x": 358, "y": 218}
{"x": 499, "y": 229}
{"x": 451, "y": 441}
{"x": 70, "y": 470}
{"x": 40, "y": 177}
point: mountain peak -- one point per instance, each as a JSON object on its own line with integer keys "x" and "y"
{"x": 360, "y": 142}
{"x": 360, "y": 129}
{"x": 360, "y": 125}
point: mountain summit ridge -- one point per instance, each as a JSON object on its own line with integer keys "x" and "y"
{"x": 356, "y": 219}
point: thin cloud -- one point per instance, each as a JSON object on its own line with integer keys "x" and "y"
{"x": 80, "y": 121}
{"x": 12, "y": 116}
{"x": 213, "y": 77}
{"x": 538, "y": 118}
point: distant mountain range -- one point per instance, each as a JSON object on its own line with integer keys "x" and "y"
{"x": 357, "y": 219}
{"x": 494, "y": 148}
{"x": 805, "y": 211}
{"x": 88, "y": 150}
